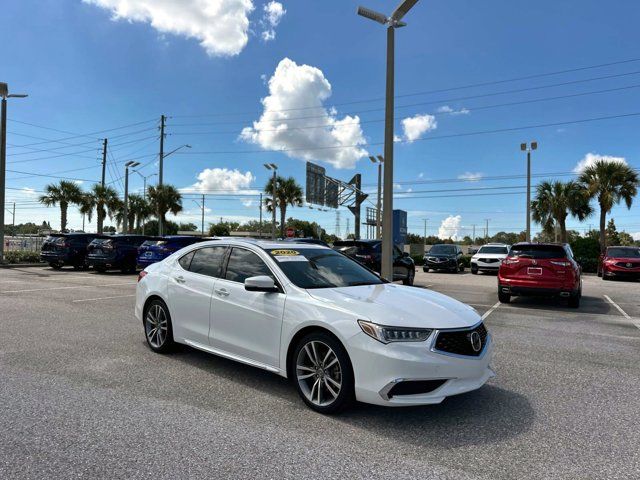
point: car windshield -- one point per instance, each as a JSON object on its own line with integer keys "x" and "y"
{"x": 443, "y": 249}
{"x": 624, "y": 252}
{"x": 321, "y": 268}
{"x": 500, "y": 250}
{"x": 538, "y": 251}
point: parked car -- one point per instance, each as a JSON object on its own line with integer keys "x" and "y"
{"x": 444, "y": 257}
{"x": 489, "y": 257}
{"x": 369, "y": 254}
{"x": 60, "y": 249}
{"x": 545, "y": 269}
{"x": 115, "y": 252}
{"x": 154, "y": 250}
{"x": 620, "y": 262}
{"x": 308, "y": 313}
{"x": 314, "y": 241}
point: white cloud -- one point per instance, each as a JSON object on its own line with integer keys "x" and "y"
{"x": 221, "y": 180}
{"x": 221, "y": 26}
{"x": 636, "y": 236}
{"x": 591, "y": 158}
{"x": 297, "y": 91}
{"x": 448, "y": 110}
{"x": 416, "y": 126}
{"x": 471, "y": 176}
{"x": 28, "y": 191}
{"x": 421, "y": 175}
{"x": 273, "y": 13}
{"x": 450, "y": 227}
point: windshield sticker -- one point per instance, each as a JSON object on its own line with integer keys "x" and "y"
{"x": 291, "y": 258}
{"x": 284, "y": 253}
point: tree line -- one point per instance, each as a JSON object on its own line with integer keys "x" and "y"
{"x": 104, "y": 202}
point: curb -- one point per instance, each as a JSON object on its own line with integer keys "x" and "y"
{"x": 18, "y": 265}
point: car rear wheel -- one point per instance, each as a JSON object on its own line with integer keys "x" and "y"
{"x": 322, "y": 373}
{"x": 56, "y": 266}
{"x": 100, "y": 269}
{"x": 411, "y": 273}
{"x": 425, "y": 269}
{"x": 157, "y": 327}
{"x": 574, "y": 300}
{"x": 462, "y": 268}
{"x": 504, "y": 297}
{"x": 474, "y": 269}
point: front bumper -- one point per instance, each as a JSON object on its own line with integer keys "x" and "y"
{"x": 620, "y": 272}
{"x": 486, "y": 267}
{"x": 448, "y": 264}
{"x": 378, "y": 367}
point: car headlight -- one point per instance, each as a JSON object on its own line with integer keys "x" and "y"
{"x": 387, "y": 334}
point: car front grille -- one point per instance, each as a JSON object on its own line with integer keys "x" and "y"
{"x": 489, "y": 260}
{"x": 628, "y": 264}
{"x": 459, "y": 342}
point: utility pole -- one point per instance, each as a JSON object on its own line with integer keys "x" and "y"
{"x": 391, "y": 23}
{"x": 425, "y": 234}
{"x": 4, "y": 93}
{"x": 161, "y": 166}
{"x": 527, "y": 148}
{"x": 202, "y": 215}
{"x": 83, "y": 215}
{"x": 486, "y": 230}
{"x": 104, "y": 160}
{"x": 260, "y": 224}
{"x": 13, "y": 219}
{"x": 273, "y": 167}
{"x": 473, "y": 238}
{"x": 125, "y": 220}
{"x": 379, "y": 160}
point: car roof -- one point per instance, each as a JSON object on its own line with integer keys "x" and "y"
{"x": 542, "y": 244}
{"x": 263, "y": 244}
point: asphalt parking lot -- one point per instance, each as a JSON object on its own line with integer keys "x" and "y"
{"x": 81, "y": 395}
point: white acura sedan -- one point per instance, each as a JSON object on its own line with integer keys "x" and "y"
{"x": 313, "y": 315}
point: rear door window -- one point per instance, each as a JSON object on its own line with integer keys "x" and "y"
{"x": 208, "y": 261}
{"x": 539, "y": 252}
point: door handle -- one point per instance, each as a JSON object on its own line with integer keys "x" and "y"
{"x": 179, "y": 279}
{"x": 222, "y": 292}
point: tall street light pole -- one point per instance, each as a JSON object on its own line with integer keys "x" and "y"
{"x": 4, "y": 93}
{"x": 274, "y": 168}
{"x": 392, "y": 22}
{"x": 125, "y": 220}
{"x": 144, "y": 189}
{"x": 527, "y": 148}
{"x": 161, "y": 164}
{"x": 379, "y": 160}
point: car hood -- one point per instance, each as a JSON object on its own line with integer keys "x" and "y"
{"x": 397, "y": 305}
{"x": 490, "y": 255}
{"x": 440, "y": 255}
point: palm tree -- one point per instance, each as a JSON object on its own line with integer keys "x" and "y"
{"x": 164, "y": 199}
{"x": 139, "y": 211}
{"x": 288, "y": 192}
{"x": 555, "y": 201}
{"x": 609, "y": 183}
{"x": 63, "y": 193}
{"x": 104, "y": 200}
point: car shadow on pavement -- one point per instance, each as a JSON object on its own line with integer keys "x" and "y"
{"x": 588, "y": 304}
{"x": 488, "y": 415}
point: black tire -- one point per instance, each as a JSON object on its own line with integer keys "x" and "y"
{"x": 454, "y": 270}
{"x": 474, "y": 270}
{"x": 599, "y": 273}
{"x": 99, "y": 269}
{"x": 605, "y": 277}
{"x": 411, "y": 274}
{"x": 346, "y": 394}
{"x": 504, "y": 297}
{"x": 462, "y": 268}
{"x": 158, "y": 311}
{"x": 56, "y": 266}
{"x": 574, "y": 300}
{"x": 425, "y": 269}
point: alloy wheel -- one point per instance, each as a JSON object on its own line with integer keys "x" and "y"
{"x": 156, "y": 325}
{"x": 319, "y": 373}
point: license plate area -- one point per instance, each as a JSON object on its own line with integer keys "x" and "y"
{"x": 534, "y": 271}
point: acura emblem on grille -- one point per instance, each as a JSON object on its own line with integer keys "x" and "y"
{"x": 629, "y": 265}
{"x": 476, "y": 341}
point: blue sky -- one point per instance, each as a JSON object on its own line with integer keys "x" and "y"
{"x": 91, "y": 67}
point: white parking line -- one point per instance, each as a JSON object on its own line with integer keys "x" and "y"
{"x": 624, "y": 314}
{"x": 65, "y": 288}
{"x": 102, "y": 298}
{"x": 491, "y": 310}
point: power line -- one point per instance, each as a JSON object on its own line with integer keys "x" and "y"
{"x": 427, "y": 92}
{"x": 78, "y": 135}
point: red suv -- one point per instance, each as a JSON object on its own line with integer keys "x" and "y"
{"x": 545, "y": 269}
{"x": 620, "y": 262}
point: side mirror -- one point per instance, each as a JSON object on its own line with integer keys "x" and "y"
{"x": 261, "y": 283}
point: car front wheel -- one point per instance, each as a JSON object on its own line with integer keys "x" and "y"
{"x": 474, "y": 269}
{"x": 411, "y": 273}
{"x": 322, "y": 373}
{"x": 157, "y": 327}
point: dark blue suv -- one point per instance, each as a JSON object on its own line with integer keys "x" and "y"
{"x": 60, "y": 249}
{"x": 115, "y": 252}
{"x": 153, "y": 251}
